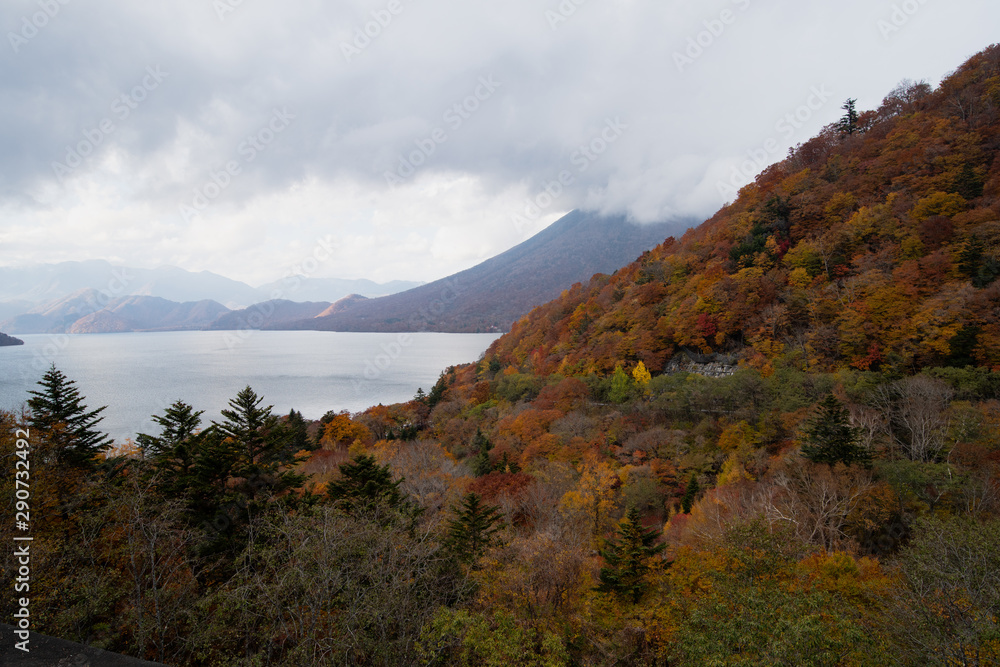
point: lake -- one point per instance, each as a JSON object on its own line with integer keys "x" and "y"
{"x": 139, "y": 374}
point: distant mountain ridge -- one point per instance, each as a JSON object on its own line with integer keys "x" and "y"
{"x": 492, "y": 295}
{"x": 89, "y": 311}
{"x": 23, "y": 288}
{"x": 267, "y": 313}
{"x": 488, "y": 297}
{"x": 149, "y": 313}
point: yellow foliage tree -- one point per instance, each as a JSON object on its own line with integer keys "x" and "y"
{"x": 341, "y": 431}
{"x": 737, "y": 436}
{"x": 641, "y": 375}
{"x": 595, "y": 499}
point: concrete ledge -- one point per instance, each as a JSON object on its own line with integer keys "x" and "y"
{"x": 53, "y": 652}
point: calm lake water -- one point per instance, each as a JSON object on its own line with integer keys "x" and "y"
{"x": 139, "y": 374}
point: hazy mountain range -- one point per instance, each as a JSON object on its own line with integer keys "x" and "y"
{"x": 98, "y": 297}
{"x": 25, "y": 288}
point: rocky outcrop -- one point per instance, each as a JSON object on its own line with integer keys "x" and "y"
{"x": 708, "y": 365}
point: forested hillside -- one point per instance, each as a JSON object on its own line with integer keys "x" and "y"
{"x": 829, "y": 496}
{"x": 873, "y": 245}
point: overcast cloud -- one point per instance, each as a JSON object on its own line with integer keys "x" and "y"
{"x": 232, "y": 136}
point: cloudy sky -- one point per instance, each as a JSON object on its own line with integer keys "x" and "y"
{"x": 416, "y": 137}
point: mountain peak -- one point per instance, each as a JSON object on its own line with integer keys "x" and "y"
{"x": 490, "y": 296}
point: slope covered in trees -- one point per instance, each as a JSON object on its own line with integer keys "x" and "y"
{"x": 875, "y": 249}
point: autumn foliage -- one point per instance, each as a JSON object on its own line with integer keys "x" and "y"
{"x": 877, "y": 250}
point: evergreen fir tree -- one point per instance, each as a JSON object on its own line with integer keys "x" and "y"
{"x": 829, "y": 437}
{"x": 58, "y": 413}
{"x": 364, "y": 482}
{"x": 974, "y": 264}
{"x": 300, "y": 432}
{"x": 628, "y": 558}
{"x": 178, "y": 423}
{"x": 690, "y": 493}
{"x": 848, "y": 123}
{"x": 971, "y": 257}
{"x": 505, "y": 464}
{"x": 968, "y": 183}
{"x": 174, "y": 453}
{"x": 473, "y": 530}
{"x": 481, "y": 464}
{"x": 439, "y": 389}
{"x": 262, "y": 447}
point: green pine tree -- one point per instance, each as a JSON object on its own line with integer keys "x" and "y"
{"x": 481, "y": 464}
{"x": 628, "y": 558}
{"x": 178, "y": 423}
{"x": 620, "y": 386}
{"x": 829, "y": 437}
{"x": 848, "y": 123}
{"x": 440, "y": 387}
{"x": 173, "y": 454}
{"x": 364, "y": 483}
{"x": 473, "y": 530}
{"x": 58, "y": 413}
{"x": 505, "y": 464}
{"x": 969, "y": 183}
{"x": 971, "y": 257}
{"x": 690, "y": 493}
{"x": 300, "y": 432}
{"x": 262, "y": 447}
